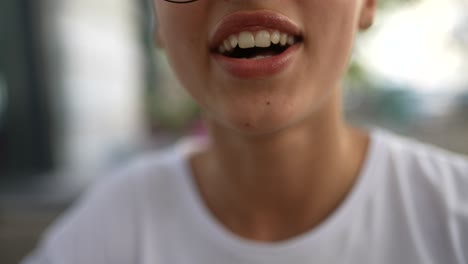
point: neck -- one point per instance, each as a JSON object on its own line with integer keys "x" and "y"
{"x": 275, "y": 186}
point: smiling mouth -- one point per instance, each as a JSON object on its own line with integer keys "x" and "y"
{"x": 257, "y": 45}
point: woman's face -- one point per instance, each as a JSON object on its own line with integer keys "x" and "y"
{"x": 286, "y": 66}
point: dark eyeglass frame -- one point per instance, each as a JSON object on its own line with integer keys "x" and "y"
{"x": 180, "y": 1}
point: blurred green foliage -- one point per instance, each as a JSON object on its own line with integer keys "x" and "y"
{"x": 385, "y": 4}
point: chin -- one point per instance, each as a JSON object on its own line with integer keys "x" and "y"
{"x": 259, "y": 122}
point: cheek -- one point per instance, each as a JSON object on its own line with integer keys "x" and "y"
{"x": 185, "y": 45}
{"x": 330, "y": 37}
{"x": 187, "y": 57}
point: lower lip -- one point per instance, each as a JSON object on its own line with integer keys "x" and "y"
{"x": 261, "y": 68}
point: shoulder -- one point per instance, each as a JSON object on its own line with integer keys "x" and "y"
{"x": 424, "y": 189}
{"x": 107, "y": 219}
{"x": 156, "y": 173}
{"x": 422, "y": 167}
{"x": 411, "y": 158}
{"x": 125, "y": 187}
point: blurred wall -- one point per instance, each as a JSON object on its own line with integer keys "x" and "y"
{"x": 98, "y": 80}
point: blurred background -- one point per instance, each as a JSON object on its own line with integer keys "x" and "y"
{"x": 83, "y": 89}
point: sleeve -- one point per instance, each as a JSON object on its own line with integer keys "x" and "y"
{"x": 100, "y": 229}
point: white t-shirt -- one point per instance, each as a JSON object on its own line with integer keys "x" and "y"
{"x": 409, "y": 205}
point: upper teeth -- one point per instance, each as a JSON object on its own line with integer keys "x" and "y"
{"x": 261, "y": 39}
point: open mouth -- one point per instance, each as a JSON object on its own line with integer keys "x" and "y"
{"x": 256, "y": 45}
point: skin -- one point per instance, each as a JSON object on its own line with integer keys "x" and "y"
{"x": 282, "y": 158}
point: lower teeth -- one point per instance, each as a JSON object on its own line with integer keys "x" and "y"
{"x": 259, "y": 57}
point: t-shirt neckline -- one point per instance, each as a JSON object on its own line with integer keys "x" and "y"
{"x": 221, "y": 236}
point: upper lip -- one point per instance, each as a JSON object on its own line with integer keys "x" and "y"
{"x": 251, "y": 21}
